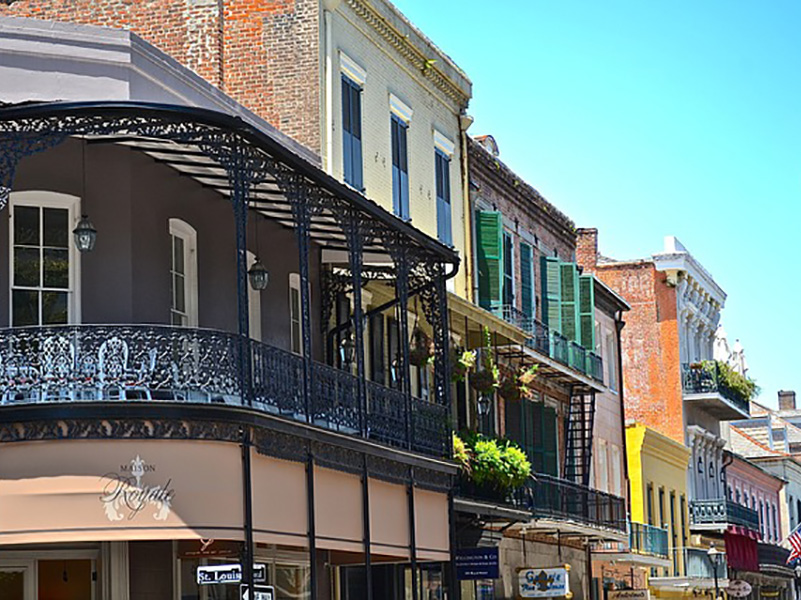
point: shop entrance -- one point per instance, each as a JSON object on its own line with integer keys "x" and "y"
{"x": 47, "y": 579}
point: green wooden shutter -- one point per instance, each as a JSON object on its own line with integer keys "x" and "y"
{"x": 489, "y": 230}
{"x": 526, "y": 281}
{"x": 569, "y": 292}
{"x": 550, "y": 465}
{"x": 535, "y": 448}
{"x": 587, "y": 311}
{"x": 551, "y": 292}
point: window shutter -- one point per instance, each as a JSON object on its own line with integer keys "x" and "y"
{"x": 587, "y": 311}
{"x": 551, "y": 292}
{"x": 535, "y": 447}
{"x": 514, "y": 429}
{"x": 526, "y": 281}
{"x": 488, "y": 233}
{"x": 569, "y": 278}
{"x": 549, "y": 441}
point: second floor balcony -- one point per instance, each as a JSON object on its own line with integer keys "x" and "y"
{"x": 703, "y": 384}
{"x": 718, "y": 514}
{"x": 648, "y": 540}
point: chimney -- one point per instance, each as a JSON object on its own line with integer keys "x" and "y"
{"x": 786, "y": 400}
{"x": 587, "y": 248}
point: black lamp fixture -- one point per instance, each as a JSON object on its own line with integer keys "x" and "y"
{"x": 347, "y": 347}
{"x": 484, "y": 404}
{"x": 84, "y": 233}
{"x": 715, "y": 557}
{"x": 257, "y": 273}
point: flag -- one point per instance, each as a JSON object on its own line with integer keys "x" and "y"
{"x": 795, "y": 544}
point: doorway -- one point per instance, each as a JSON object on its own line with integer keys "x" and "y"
{"x": 47, "y": 579}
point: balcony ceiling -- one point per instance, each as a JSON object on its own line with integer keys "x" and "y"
{"x": 714, "y": 404}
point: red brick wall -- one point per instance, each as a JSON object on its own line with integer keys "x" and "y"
{"x": 587, "y": 248}
{"x": 263, "y": 53}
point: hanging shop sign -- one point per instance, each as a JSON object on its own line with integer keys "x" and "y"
{"x": 544, "y": 583}
{"x": 214, "y": 574}
{"x": 738, "y": 588}
{"x": 260, "y": 592}
{"x": 627, "y": 595}
{"x": 477, "y": 563}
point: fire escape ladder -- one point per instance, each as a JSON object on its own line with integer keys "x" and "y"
{"x": 578, "y": 437}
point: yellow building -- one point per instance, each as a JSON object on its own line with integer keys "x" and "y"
{"x": 659, "y": 516}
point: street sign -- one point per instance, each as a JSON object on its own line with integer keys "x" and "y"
{"x": 215, "y": 574}
{"x": 260, "y": 592}
{"x": 477, "y": 563}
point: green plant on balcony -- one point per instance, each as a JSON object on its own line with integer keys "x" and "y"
{"x": 486, "y": 378}
{"x": 514, "y": 383}
{"x": 461, "y": 362}
{"x": 727, "y": 378}
{"x": 490, "y": 467}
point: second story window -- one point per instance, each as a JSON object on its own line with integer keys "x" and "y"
{"x": 183, "y": 274}
{"x": 43, "y": 265}
{"x": 527, "y": 280}
{"x": 400, "y": 167}
{"x": 442, "y": 169}
{"x": 508, "y": 270}
{"x": 352, "y": 133}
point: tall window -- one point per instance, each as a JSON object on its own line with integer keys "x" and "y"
{"x": 352, "y": 133}
{"x": 682, "y": 513}
{"x": 43, "y": 265}
{"x": 508, "y": 270}
{"x": 442, "y": 169}
{"x": 674, "y": 534}
{"x": 400, "y": 167}
{"x": 295, "y": 326}
{"x": 649, "y": 503}
{"x": 527, "y": 280}
{"x": 183, "y": 274}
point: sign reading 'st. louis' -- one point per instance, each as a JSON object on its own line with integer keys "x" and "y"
{"x": 126, "y": 494}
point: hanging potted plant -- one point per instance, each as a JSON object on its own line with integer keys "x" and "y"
{"x": 461, "y": 362}
{"x": 515, "y": 384}
{"x": 485, "y": 380}
{"x": 422, "y": 352}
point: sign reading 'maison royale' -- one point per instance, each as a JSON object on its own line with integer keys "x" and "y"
{"x": 126, "y": 493}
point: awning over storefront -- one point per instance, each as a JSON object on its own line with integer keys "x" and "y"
{"x": 741, "y": 552}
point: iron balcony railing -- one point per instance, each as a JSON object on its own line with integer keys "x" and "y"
{"x": 552, "y": 343}
{"x": 705, "y": 378}
{"x": 648, "y": 540}
{"x": 562, "y": 500}
{"x": 88, "y": 363}
{"x": 772, "y": 555}
{"x": 722, "y": 512}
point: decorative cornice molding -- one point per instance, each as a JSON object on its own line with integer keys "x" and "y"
{"x": 406, "y": 49}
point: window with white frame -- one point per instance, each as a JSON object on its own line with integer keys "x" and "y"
{"x": 44, "y": 262}
{"x": 352, "y": 83}
{"x": 443, "y": 152}
{"x": 183, "y": 274}
{"x": 295, "y": 325}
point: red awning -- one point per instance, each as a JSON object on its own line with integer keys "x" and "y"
{"x": 741, "y": 552}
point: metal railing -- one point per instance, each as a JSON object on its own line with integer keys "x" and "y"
{"x": 88, "y": 363}
{"x": 649, "y": 540}
{"x": 551, "y": 497}
{"x": 705, "y": 378}
{"x": 772, "y": 554}
{"x": 722, "y": 511}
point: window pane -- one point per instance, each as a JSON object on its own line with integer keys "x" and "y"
{"x": 178, "y": 254}
{"x": 26, "y": 308}
{"x": 56, "y": 233}
{"x": 179, "y": 288}
{"x": 26, "y": 226}
{"x": 26, "y": 267}
{"x": 54, "y": 308}
{"x": 291, "y": 582}
{"x": 56, "y": 268}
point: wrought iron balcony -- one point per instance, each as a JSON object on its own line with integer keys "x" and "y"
{"x": 772, "y": 555}
{"x": 648, "y": 540}
{"x": 703, "y": 383}
{"x": 550, "y": 497}
{"x": 721, "y": 512}
{"x": 552, "y": 343}
{"x": 130, "y": 363}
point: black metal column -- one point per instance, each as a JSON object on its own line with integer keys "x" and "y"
{"x": 312, "y": 532}
{"x": 412, "y": 534}
{"x": 248, "y": 556}
{"x": 455, "y": 587}
{"x": 355, "y": 262}
{"x": 302, "y": 215}
{"x": 402, "y": 290}
{"x": 368, "y": 566}
{"x": 240, "y": 184}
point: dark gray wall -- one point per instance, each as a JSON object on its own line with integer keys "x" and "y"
{"x": 130, "y": 199}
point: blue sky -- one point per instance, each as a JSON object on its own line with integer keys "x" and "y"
{"x": 646, "y": 119}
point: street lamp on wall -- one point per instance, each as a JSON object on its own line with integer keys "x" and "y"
{"x": 85, "y": 235}
{"x": 258, "y": 275}
{"x": 715, "y": 558}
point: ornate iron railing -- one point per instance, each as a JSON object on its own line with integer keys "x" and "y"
{"x": 559, "y": 348}
{"x": 705, "y": 378}
{"x": 551, "y": 497}
{"x": 87, "y": 363}
{"x": 649, "y": 540}
{"x": 772, "y": 555}
{"x": 698, "y": 565}
{"x": 577, "y": 357}
{"x": 722, "y": 511}
{"x": 595, "y": 367}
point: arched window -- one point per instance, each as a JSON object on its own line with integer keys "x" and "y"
{"x": 183, "y": 274}
{"x": 44, "y": 264}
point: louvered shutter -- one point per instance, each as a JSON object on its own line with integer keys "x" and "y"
{"x": 526, "y": 281}
{"x": 569, "y": 300}
{"x": 534, "y": 447}
{"x": 489, "y": 231}
{"x": 549, "y": 452}
{"x": 587, "y": 311}
{"x": 551, "y": 292}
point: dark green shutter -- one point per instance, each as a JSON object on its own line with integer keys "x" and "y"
{"x": 549, "y": 441}
{"x": 526, "y": 281}
{"x": 514, "y": 423}
{"x": 569, "y": 292}
{"x": 535, "y": 425}
{"x": 587, "y": 311}
{"x": 551, "y": 292}
{"x": 489, "y": 230}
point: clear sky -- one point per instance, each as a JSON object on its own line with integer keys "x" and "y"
{"x": 646, "y": 119}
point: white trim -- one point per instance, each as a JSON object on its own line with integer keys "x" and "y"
{"x": 186, "y": 232}
{"x": 352, "y": 69}
{"x": 294, "y": 284}
{"x": 443, "y": 143}
{"x": 48, "y": 199}
{"x": 400, "y": 109}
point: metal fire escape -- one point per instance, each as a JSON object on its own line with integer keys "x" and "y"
{"x": 578, "y": 437}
